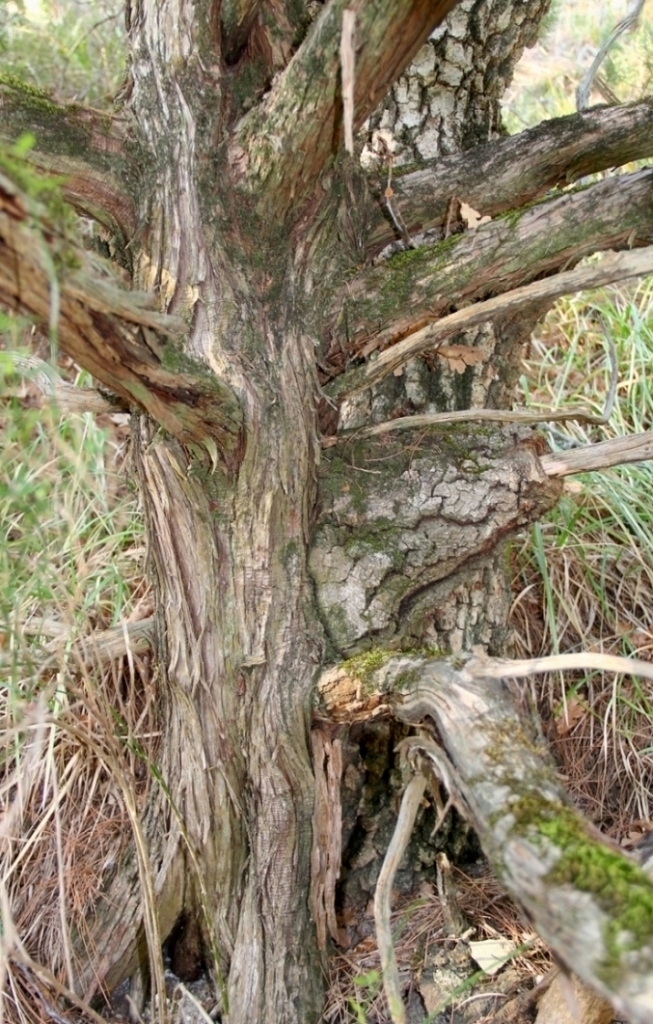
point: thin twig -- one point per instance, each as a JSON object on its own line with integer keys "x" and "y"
{"x": 589, "y": 661}
{"x": 410, "y": 803}
{"x": 584, "y": 89}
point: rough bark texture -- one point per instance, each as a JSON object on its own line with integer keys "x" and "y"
{"x": 449, "y": 98}
{"x": 401, "y": 521}
{"x": 271, "y": 557}
{"x": 585, "y": 897}
{"x": 502, "y": 174}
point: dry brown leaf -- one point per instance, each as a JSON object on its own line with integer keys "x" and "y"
{"x": 576, "y": 709}
{"x": 459, "y": 357}
{"x": 472, "y": 217}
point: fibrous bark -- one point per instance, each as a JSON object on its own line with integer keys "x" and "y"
{"x": 249, "y": 231}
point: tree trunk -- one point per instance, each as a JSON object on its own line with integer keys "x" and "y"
{"x": 274, "y": 555}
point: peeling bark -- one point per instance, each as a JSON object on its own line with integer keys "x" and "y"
{"x": 403, "y": 537}
{"x": 90, "y": 322}
{"x": 587, "y": 900}
{"x": 384, "y": 303}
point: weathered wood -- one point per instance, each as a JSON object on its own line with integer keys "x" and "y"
{"x": 509, "y": 172}
{"x": 142, "y": 363}
{"x": 616, "y": 451}
{"x": 385, "y": 303}
{"x": 284, "y": 145}
{"x": 593, "y": 905}
{"x": 614, "y": 267}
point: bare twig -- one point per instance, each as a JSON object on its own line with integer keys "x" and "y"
{"x": 613, "y": 267}
{"x": 589, "y": 661}
{"x": 615, "y": 452}
{"x": 584, "y": 89}
{"x": 407, "y": 813}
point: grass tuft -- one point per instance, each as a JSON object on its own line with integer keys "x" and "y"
{"x": 585, "y": 576}
{"x": 74, "y": 739}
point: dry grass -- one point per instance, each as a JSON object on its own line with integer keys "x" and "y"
{"x": 584, "y": 579}
{"x": 355, "y": 995}
{"x": 75, "y": 741}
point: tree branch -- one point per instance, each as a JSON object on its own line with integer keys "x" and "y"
{"x": 510, "y": 172}
{"x": 115, "y": 335}
{"x": 63, "y": 132}
{"x": 58, "y": 392}
{"x": 593, "y": 905}
{"x": 283, "y": 146}
{"x": 617, "y": 451}
{"x": 614, "y": 267}
{"x": 415, "y": 288}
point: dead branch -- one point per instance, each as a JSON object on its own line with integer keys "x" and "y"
{"x": 114, "y": 334}
{"x": 410, "y": 804}
{"x": 92, "y": 182}
{"x": 588, "y": 901}
{"x": 410, "y": 291}
{"x": 617, "y": 451}
{"x": 614, "y": 267}
{"x": 97, "y": 648}
{"x": 58, "y": 392}
{"x": 585, "y": 661}
{"x": 283, "y": 146}
{"x": 513, "y": 171}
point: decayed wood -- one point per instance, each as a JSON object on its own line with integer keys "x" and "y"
{"x": 58, "y": 392}
{"x": 614, "y": 267}
{"x": 588, "y": 901}
{"x": 327, "y": 833}
{"x": 510, "y": 172}
{"x": 89, "y": 313}
{"x": 84, "y": 146}
{"x": 284, "y": 144}
{"x": 413, "y": 289}
{"x": 616, "y": 451}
